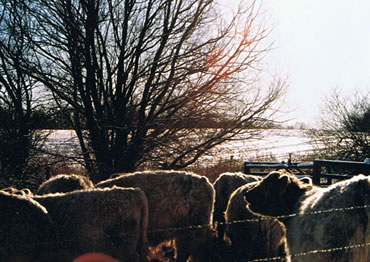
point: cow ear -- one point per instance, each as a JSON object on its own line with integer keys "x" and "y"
{"x": 306, "y": 180}
{"x": 284, "y": 181}
{"x": 273, "y": 176}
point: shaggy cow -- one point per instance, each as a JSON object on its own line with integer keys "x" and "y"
{"x": 177, "y": 201}
{"x": 252, "y": 236}
{"x": 330, "y": 224}
{"x": 24, "y": 229}
{"x": 224, "y": 186}
{"x": 111, "y": 220}
{"x": 64, "y": 183}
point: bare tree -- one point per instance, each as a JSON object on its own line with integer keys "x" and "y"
{"x": 19, "y": 139}
{"x": 345, "y": 127}
{"x": 140, "y": 76}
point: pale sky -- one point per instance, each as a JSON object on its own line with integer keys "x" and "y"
{"x": 319, "y": 45}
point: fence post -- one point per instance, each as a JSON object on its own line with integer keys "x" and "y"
{"x": 247, "y": 170}
{"x": 316, "y": 172}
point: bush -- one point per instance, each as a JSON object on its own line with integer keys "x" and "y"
{"x": 345, "y": 128}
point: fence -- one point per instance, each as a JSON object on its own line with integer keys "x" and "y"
{"x": 322, "y": 172}
{"x": 325, "y": 172}
{"x": 339, "y": 210}
{"x": 283, "y": 258}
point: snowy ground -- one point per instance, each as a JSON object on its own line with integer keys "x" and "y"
{"x": 278, "y": 143}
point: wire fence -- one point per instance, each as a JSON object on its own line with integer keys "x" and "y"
{"x": 261, "y": 218}
{"x": 258, "y": 220}
{"x": 280, "y": 258}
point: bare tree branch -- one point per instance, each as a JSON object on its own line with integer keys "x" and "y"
{"x": 144, "y": 76}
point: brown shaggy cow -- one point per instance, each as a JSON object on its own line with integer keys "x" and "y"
{"x": 25, "y": 227}
{"x": 111, "y": 220}
{"x": 180, "y": 207}
{"x": 225, "y": 185}
{"x": 63, "y": 183}
{"x": 328, "y": 224}
{"x": 252, "y": 236}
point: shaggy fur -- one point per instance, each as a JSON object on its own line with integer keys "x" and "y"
{"x": 25, "y": 226}
{"x": 112, "y": 221}
{"x": 20, "y": 192}
{"x": 177, "y": 200}
{"x": 263, "y": 237}
{"x": 224, "y": 186}
{"x": 64, "y": 183}
{"x": 282, "y": 194}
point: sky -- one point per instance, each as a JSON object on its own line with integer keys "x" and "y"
{"x": 319, "y": 46}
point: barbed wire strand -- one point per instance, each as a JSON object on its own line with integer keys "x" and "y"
{"x": 261, "y": 218}
{"x": 310, "y": 252}
{"x": 279, "y": 258}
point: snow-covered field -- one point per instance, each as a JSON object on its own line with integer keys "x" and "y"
{"x": 271, "y": 143}
{"x": 278, "y": 143}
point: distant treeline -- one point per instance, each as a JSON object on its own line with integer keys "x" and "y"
{"x": 38, "y": 119}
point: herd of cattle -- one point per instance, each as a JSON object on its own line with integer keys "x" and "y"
{"x": 237, "y": 218}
